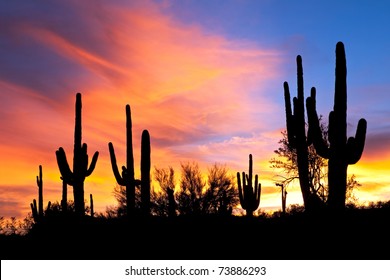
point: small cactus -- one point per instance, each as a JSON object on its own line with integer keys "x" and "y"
{"x": 37, "y": 211}
{"x": 249, "y": 195}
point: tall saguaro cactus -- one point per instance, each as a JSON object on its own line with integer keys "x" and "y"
{"x": 249, "y": 194}
{"x": 340, "y": 152}
{"x": 81, "y": 170}
{"x": 127, "y": 178}
{"x": 145, "y": 173}
{"x": 296, "y": 134}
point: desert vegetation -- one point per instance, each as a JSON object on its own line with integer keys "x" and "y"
{"x": 217, "y": 218}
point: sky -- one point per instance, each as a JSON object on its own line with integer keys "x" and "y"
{"x": 204, "y": 77}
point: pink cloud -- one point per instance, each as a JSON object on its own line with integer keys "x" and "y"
{"x": 199, "y": 95}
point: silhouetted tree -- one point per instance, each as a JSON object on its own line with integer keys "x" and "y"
{"x": 221, "y": 196}
{"x": 163, "y": 202}
{"x": 190, "y": 195}
{"x": 287, "y": 161}
{"x": 352, "y": 185}
{"x": 318, "y": 173}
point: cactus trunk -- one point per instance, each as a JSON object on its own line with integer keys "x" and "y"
{"x": 40, "y": 192}
{"x": 64, "y": 200}
{"x": 145, "y": 173}
{"x": 91, "y": 205}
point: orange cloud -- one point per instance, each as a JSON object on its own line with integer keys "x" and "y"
{"x": 190, "y": 89}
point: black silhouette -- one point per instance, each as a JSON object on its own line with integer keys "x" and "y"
{"x": 297, "y": 139}
{"x": 37, "y": 212}
{"x": 91, "y": 205}
{"x": 341, "y": 152}
{"x": 284, "y": 196}
{"x": 64, "y": 200}
{"x": 127, "y": 179}
{"x": 200, "y": 223}
{"x": 249, "y": 195}
{"x": 80, "y": 163}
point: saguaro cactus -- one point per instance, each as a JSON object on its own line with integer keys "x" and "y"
{"x": 340, "y": 152}
{"x": 37, "y": 211}
{"x": 64, "y": 200}
{"x": 127, "y": 179}
{"x": 145, "y": 173}
{"x": 296, "y": 133}
{"x": 91, "y": 205}
{"x": 249, "y": 195}
{"x": 80, "y": 163}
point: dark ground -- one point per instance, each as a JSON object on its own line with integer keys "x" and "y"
{"x": 356, "y": 235}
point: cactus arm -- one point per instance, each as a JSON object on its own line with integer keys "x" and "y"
{"x": 240, "y": 194}
{"x": 129, "y": 143}
{"x": 258, "y": 194}
{"x": 255, "y": 199}
{"x": 63, "y": 165}
{"x": 120, "y": 180}
{"x": 314, "y": 131}
{"x": 34, "y": 210}
{"x": 289, "y": 116}
{"x": 355, "y": 146}
{"x": 93, "y": 164}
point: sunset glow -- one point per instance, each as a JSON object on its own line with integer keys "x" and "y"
{"x": 204, "y": 93}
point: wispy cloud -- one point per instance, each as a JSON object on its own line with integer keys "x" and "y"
{"x": 201, "y": 96}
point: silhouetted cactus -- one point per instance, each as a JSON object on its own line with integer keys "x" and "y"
{"x": 91, "y": 205}
{"x": 80, "y": 163}
{"x": 37, "y": 211}
{"x": 34, "y": 210}
{"x": 340, "y": 152}
{"x": 249, "y": 195}
{"x": 296, "y": 134}
{"x": 64, "y": 200}
{"x": 127, "y": 179}
{"x": 284, "y": 196}
{"x": 145, "y": 173}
